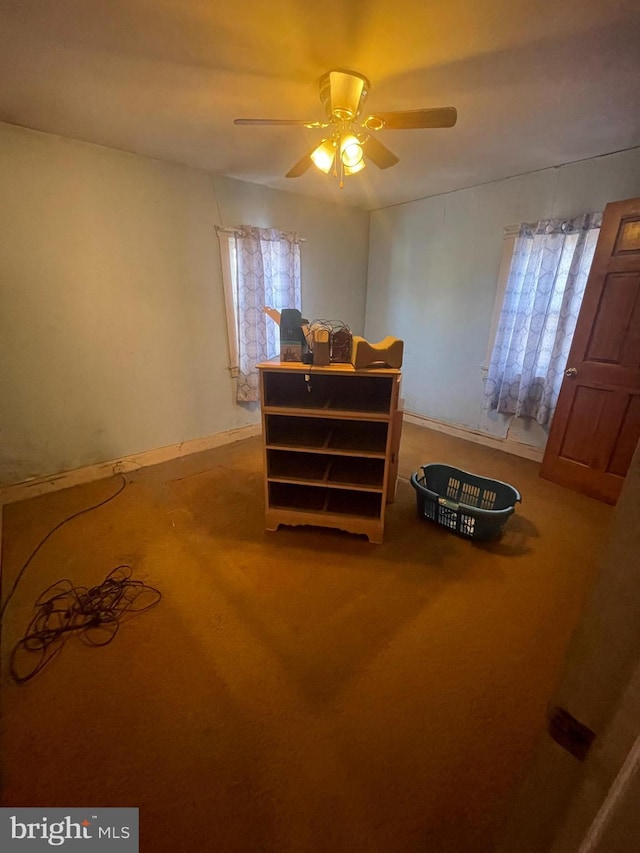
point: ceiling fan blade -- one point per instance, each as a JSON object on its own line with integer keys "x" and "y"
{"x": 379, "y": 153}
{"x": 279, "y": 121}
{"x": 413, "y": 119}
{"x": 301, "y": 166}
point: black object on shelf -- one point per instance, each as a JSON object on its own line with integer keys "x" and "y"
{"x": 293, "y": 344}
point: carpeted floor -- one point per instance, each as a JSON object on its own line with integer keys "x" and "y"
{"x": 303, "y": 690}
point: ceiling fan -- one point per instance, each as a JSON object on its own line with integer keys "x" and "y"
{"x": 350, "y": 137}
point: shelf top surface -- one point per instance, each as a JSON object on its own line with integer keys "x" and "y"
{"x": 335, "y": 368}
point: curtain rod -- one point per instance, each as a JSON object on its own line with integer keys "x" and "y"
{"x": 222, "y": 230}
{"x": 511, "y": 230}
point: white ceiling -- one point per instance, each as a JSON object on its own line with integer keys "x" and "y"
{"x": 535, "y": 84}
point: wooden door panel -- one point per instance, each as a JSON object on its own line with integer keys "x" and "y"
{"x": 582, "y": 424}
{"x": 593, "y": 445}
{"x": 596, "y": 425}
{"x": 627, "y": 438}
{"x": 601, "y": 430}
{"x": 608, "y": 339}
{"x": 628, "y": 237}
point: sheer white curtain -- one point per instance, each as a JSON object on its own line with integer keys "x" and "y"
{"x": 267, "y": 273}
{"x": 549, "y": 271}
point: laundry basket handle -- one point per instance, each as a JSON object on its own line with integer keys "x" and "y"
{"x": 449, "y": 504}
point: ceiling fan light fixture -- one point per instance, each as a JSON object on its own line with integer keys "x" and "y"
{"x": 342, "y": 93}
{"x": 353, "y": 170}
{"x": 349, "y": 136}
{"x": 323, "y": 156}
{"x": 351, "y": 152}
{"x": 373, "y": 123}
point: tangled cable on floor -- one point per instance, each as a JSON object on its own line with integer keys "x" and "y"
{"x": 44, "y": 539}
{"x": 94, "y": 614}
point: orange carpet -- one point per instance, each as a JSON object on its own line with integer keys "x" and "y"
{"x": 303, "y": 690}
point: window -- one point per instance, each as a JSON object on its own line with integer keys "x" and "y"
{"x": 261, "y": 267}
{"x": 544, "y": 288}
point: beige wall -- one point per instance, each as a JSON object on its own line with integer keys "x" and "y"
{"x": 433, "y": 270}
{"x": 112, "y": 333}
{"x": 112, "y": 330}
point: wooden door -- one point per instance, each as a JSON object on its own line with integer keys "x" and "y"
{"x": 596, "y": 425}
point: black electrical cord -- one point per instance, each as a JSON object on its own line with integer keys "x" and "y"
{"x": 63, "y": 610}
{"x": 93, "y": 614}
{"x": 329, "y": 325}
{"x": 48, "y": 536}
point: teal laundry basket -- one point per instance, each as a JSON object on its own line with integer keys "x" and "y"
{"x": 472, "y": 506}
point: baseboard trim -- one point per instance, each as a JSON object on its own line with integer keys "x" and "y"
{"x": 507, "y": 445}
{"x": 79, "y": 476}
{"x": 89, "y": 473}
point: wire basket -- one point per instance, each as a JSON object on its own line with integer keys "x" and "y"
{"x": 472, "y": 506}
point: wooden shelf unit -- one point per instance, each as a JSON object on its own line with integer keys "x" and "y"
{"x": 331, "y": 438}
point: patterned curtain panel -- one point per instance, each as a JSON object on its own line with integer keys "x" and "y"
{"x": 548, "y": 274}
{"x": 268, "y": 274}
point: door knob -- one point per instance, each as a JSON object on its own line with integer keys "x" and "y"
{"x": 571, "y": 371}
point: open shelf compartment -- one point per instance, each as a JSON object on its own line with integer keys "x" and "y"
{"x": 359, "y": 437}
{"x": 319, "y": 391}
{"x": 339, "y": 471}
{"x": 319, "y": 499}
